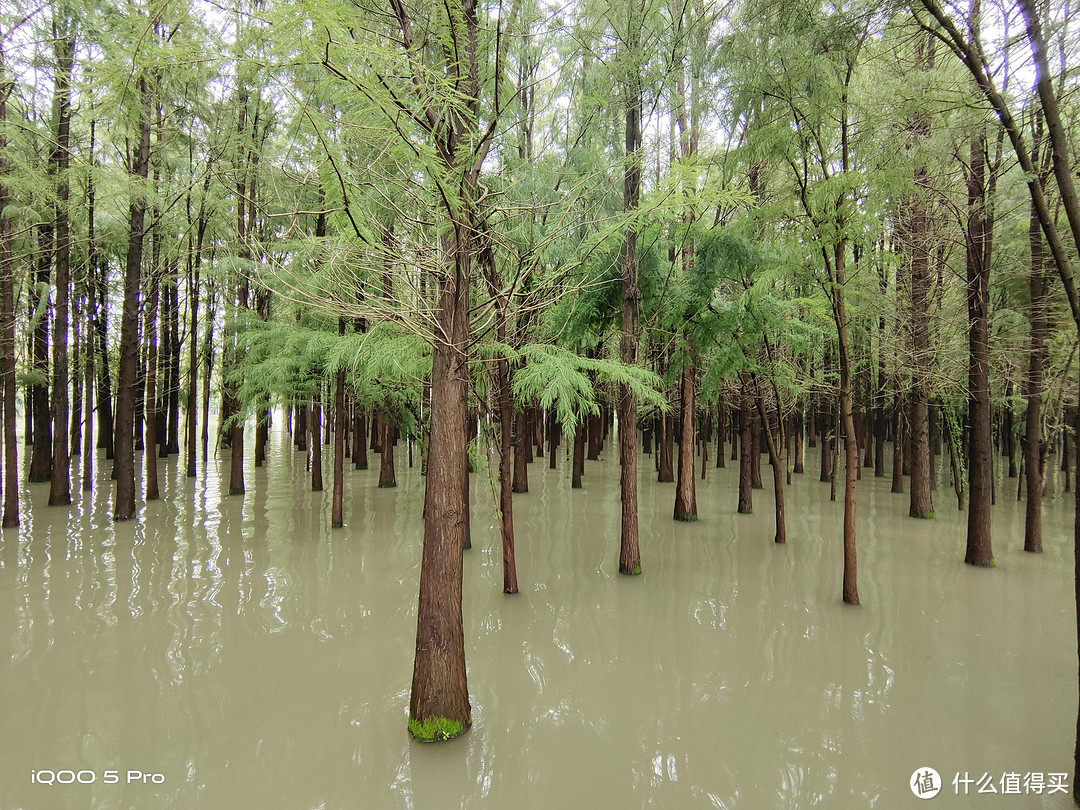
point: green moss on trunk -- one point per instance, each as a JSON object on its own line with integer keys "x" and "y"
{"x": 435, "y": 728}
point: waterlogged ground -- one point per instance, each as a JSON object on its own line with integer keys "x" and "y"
{"x": 250, "y": 657}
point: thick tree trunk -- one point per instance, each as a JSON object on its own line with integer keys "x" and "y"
{"x": 129, "y": 321}
{"x": 979, "y": 551}
{"x": 439, "y": 703}
{"x": 1034, "y": 453}
{"x": 7, "y": 322}
{"x": 60, "y": 477}
{"x": 39, "y": 406}
{"x": 685, "y": 492}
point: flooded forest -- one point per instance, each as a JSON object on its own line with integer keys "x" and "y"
{"x": 644, "y": 402}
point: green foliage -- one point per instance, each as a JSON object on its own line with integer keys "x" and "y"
{"x": 558, "y": 378}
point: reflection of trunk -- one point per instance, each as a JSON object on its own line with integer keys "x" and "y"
{"x": 978, "y": 243}
{"x": 129, "y": 322}
{"x": 7, "y": 323}
{"x": 777, "y": 467}
{"x": 746, "y": 504}
{"x": 685, "y": 495}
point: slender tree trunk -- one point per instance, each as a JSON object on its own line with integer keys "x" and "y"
{"x": 521, "y": 443}
{"x": 685, "y": 493}
{"x": 577, "y": 468}
{"x": 315, "y": 428}
{"x": 360, "y": 445}
{"x": 981, "y": 470}
{"x": 39, "y": 406}
{"x": 151, "y": 421}
{"x": 60, "y": 479}
{"x": 665, "y": 474}
{"x": 7, "y": 315}
{"x": 387, "y": 474}
{"x": 129, "y": 320}
{"x": 341, "y": 425}
{"x": 777, "y": 467}
{"x": 721, "y": 432}
{"x": 746, "y": 503}
{"x": 1034, "y": 452}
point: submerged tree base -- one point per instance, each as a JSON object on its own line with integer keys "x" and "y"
{"x": 632, "y": 572}
{"x": 437, "y": 729}
{"x": 237, "y": 491}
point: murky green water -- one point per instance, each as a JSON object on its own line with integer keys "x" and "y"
{"x": 254, "y": 658}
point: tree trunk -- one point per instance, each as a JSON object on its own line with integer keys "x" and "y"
{"x": 39, "y": 407}
{"x": 577, "y": 467}
{"x": 315, "y": 429}
{"x": 1034, "y": 452}
{"x": 387, "y": 472}
{"x": 7, "y": 320}
{"x": 746, "y": 502}
{"x": 151, "y": 420}
{"x": 521, "y": 452}
{"x": 979, "y": 551}
{"x": 777, "y": 467}
{"x": 60, "y": 478}
{"x": 341, "y": 425}
{"x": 665, "y": 474}
{"x": 129, "y": 321}
{"x": 685, "y": 492}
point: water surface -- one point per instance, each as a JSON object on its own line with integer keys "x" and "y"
{"x": 255, "y": 658}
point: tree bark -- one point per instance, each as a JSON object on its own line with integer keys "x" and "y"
{"x": 129, "y": 320}
{"x": 980, "y": 473}
{"x": 746, "y": 502}
{"x": 60, "y": 478}
{"x": 315, "y": 428}
{"x": 7, "y": 316}
{"x": 685, "y": 491}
